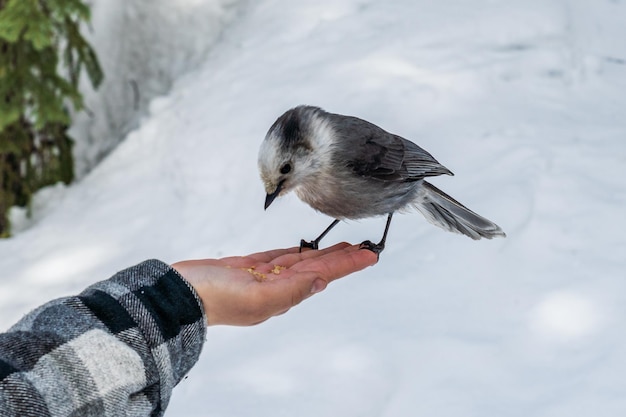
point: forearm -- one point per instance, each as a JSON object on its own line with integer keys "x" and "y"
{"x": 117, "y": 348}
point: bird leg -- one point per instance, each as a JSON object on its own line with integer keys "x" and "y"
{"x": 377, "y": 248}
{"x": 315, "y": 243}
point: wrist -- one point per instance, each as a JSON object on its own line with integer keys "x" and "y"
{"x": 193, "y": 285}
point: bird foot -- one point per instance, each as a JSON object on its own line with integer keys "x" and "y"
{"x": 309, "y": 245}
{"x": 377, "y": 248}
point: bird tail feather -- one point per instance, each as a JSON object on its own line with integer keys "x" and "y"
{"x": 442, "y": 210}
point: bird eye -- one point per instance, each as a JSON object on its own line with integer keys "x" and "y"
{"x": 285, "y": 169}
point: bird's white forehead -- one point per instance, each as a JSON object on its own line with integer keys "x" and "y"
{"x": 269, "y": 154}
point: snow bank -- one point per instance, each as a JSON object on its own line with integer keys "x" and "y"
{"x": 143, "y": 46}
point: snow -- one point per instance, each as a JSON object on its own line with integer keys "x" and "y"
{"x": 142, "y": 50}
{"x": 522, "y": 100}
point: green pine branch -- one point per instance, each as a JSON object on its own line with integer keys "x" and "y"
{"x": 42, "y": 54}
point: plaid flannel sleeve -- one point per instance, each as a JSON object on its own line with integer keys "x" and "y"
{"x": 117, "y": 349}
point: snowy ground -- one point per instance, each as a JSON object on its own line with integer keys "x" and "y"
{"x": 523, "y": 100}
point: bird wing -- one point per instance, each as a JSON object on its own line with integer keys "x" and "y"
{"x": 379, "y": 154}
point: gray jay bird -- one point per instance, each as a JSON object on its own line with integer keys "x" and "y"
{"x": 349, "y": 168}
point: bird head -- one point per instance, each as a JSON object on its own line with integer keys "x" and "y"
{"x": 291, "y": 152}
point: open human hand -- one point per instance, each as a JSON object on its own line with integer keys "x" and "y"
{"x": 247, "y": 290}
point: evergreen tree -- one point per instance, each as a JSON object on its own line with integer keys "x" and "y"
{"x": 42, "y": 54}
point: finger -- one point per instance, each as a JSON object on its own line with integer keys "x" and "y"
{"x": 290, "y": 259}
{"x": 283, "y": 257}
{"x": 255, "y": 258}
{"x": 265, "y": 261}
{"x": 334, "y": 265}
{"x": 271, "y": 256}
{"x": 267, "y": 256}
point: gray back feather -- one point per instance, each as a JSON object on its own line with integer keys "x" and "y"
{"x": 373, "y": 152}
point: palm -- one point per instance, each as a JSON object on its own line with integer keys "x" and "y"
{"x": 245, "y": 290}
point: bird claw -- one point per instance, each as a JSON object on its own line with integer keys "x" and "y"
{"x": 377, "y": 248}
{"x": 309, "y": 245}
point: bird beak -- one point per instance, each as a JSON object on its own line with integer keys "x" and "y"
{"x": 271, "y": 197}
